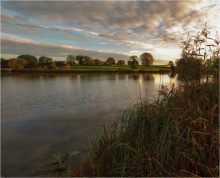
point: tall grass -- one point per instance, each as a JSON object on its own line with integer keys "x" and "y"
{"x": 175, "y": 135}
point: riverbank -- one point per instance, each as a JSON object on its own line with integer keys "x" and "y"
{"x": 94, "y": 69}
{"x": 177, "y": 135}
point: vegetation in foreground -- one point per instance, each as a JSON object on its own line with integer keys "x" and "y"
{"x": 177, "y": 135}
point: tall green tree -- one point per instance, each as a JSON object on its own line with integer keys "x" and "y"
{"x": 133, "y": 62}
{"x": 71, "y": 60}
{"x": 147, "y": 59}
{"x": 111, "y": 61}
{"x": 31, "y": 60}
{"x": 172, "y": 66}
{"x": 88, "y": 61}
{"x": 4, "y": 62}
{"x": 120, "y": 63}
{"x": 80, "y": 59}
{"x": 44, "y": 60}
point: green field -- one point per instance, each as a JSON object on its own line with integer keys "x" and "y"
{"x": 73, "y": 69}
{"x": 120, "y": 67}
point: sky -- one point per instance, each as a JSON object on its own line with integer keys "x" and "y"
{"x": 102, "y": 29}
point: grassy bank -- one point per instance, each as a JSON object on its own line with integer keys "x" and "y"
{"x": 176, "y": 135}
{"x": 94, "y": 69}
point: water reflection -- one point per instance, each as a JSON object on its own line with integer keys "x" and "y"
{"x": 163, "y": 79}
{"x": 148, "y": 77}
{"x": 172, "y": 74}
{"x": 31, "y": 140}
{"x": 42, "y": 112}
{"x": 121, "y": 76}
{"x": 134, "y": 76}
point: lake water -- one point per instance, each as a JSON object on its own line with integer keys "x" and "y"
{"x": 43, "y": 113}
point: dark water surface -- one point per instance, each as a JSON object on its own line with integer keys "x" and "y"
{"x": 43, "y": 113}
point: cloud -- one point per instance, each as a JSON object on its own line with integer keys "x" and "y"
{"x": 134, "y": 25}
{"x": 15, "y": 45}
{"x": 115, "y": 37}
{"x": 25, "y": 25}
{"x": 141, "y": 16}
{"x": 7, "y": 19}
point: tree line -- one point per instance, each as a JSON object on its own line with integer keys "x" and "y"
{"x": 45, "y": 62}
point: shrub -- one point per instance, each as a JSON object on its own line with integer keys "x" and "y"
{"x": 52, "y": 66}
{"x": 67, "y": 67}
{"x": 99, "y": 62}
{"x": 20, "y": 66}
{"x": 189, "y": 68}
{"x": 17, "y": 63}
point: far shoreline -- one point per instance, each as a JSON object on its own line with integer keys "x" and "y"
{"x": 9, "y": 70}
